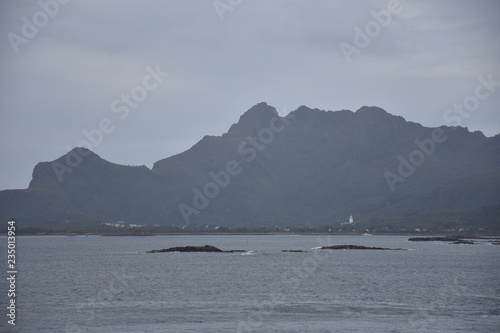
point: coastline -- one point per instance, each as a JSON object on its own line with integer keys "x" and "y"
{"x": 73, "y": 234}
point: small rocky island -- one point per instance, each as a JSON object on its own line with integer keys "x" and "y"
{"x": 435, "y": 239}
{"x": 205, "y": 248}
{"x": 354, "y": 247}
{"x": 455, "y": 240}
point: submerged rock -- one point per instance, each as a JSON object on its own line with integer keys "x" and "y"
{"x": 434, "y": 239}
{"x": 205, "y": 248}
{"x": 450, "y": 239}
{"x": 293, "y": 251}
{"x": 463, "y": 241}
{"x": 354, "y": 247}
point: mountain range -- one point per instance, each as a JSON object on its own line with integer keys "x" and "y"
{"x": 309, "y": 168}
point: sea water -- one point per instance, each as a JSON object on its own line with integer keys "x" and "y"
{"x": 110, "y": 284}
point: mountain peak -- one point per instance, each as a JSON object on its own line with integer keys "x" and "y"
{"x": 375, "y": 110}
{"x": 260, "y": 110}
{"x": 54, "y": 172}
{"x": 376, "y": 114}
{"x": 79, "y": 155}
{"x": 257, "y": 117}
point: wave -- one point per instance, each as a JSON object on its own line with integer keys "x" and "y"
{"x": 246, "y": 253}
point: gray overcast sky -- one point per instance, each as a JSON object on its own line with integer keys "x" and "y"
{"x": 68, "y": 71}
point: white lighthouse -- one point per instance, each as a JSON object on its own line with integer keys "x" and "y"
{"x": 351, "y": 220}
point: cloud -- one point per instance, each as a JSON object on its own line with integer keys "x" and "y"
{"x": 283, "y": 52}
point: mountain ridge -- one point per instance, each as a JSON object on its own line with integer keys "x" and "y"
{"x": 311, "y": 167}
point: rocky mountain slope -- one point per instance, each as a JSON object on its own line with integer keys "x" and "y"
{"x": 311, "y": 167}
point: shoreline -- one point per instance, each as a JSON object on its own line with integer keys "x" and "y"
{"x": 72, "y": 234}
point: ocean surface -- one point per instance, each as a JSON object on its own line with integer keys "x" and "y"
{"x": 110, "y": 284}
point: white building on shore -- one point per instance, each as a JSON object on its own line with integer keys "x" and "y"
{"x": 350, "y": 222}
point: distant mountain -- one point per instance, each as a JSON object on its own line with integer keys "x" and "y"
{"x": 309, "y": 168}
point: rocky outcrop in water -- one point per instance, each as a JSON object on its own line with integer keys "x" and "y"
{"x": 434, "y": 239}
{"x": 449, "y": 239}
{"x": 205, "y": 248}
{"x": 354, "y": 247}
{"x": 463, "y": 241}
